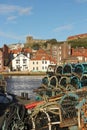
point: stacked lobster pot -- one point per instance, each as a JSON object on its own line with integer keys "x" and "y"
{"x": 61, "y": 102}
{"x": 67, "y": 85}
{"x": 61, "y": 79}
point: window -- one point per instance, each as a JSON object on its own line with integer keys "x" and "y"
{"x": 26, "y": 67}
{"x": 42, "y": 67}
{"x": 45, "y": 67}
{"x": 43, "y": 62}
{"x": 18, "y": 67}
{"x": 33, "y": 62}
{"x": 37, "y": 62}
{"x": 36, "y": 68}
{"x": 54, "y": 52}
{"x": 24, "y": 60}
{"x": 17, "y": 61}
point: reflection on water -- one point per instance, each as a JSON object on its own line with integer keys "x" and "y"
{"x": 19, "y": 84}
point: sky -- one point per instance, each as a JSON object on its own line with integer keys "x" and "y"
{"x": 41, "y": 19}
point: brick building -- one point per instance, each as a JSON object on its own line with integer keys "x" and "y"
{"x": 80, "y": 53}
{"x": 60, "y": 52}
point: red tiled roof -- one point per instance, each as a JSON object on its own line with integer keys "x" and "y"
{"x": 16, "y": 51}
{"x": 77, "y": 36}
{"x": 79, "y": 52}
{"x": 28, "y": 50}
{"x": 42, "y": 55}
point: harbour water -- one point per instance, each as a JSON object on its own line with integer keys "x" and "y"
{"x": 23, "y": 84}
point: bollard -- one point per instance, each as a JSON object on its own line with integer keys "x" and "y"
{"x": 22, "y": 95}
{"x": 26, "y": 96}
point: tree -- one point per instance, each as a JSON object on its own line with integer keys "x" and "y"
{"x": 78, "y": 43}
{"x": 52, "y": 41}
{"x": 36, "y": 46}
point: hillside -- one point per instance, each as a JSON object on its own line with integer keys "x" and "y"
{"x": 78, "y": 40}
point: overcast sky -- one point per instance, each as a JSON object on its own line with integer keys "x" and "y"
{"x": 42, "y": 19}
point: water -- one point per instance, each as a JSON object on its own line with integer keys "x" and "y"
{"x": 19, "y": 84}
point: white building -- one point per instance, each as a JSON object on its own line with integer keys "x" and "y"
{"x": 20, "y": 62}
{"x": 40, "y": 62}
{"x": 39, "y": 65}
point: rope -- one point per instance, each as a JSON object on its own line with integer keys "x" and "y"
{"x": 14, "y": 117}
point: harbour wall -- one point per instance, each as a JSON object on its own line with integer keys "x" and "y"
{"x": 20, "y": 73}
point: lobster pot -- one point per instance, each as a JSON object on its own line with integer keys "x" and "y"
{"x": 58, "y": 78}
{"x": 79, "y": 69}
{"x": 53, "y": 82}
{"x": 45, "y": 80}
{"x": 82, "y": 116}
{"x": 64, "y": 81}
{"x": 85, "y": 67}
{"x": 83, "y": 81}
{"x": 41, "y": 121}
{"x": 47, "y": 120}
{"x": 59, "y": 70}
{"x": 44, "y": 92}
{"x": 68, "y": 106}
{"x": 75, "y": 82}
{"x": 68, "y": 69}
{"x": 50, "y": 88}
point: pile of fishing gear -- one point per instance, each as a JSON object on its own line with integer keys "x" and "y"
{"x": 60, "y": 104}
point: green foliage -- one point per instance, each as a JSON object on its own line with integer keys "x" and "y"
{"x": 45, "y": 45}
{"x": 52, "y": 41}
{"x": 36, "y": 46}
{"x": 78, "y": 43}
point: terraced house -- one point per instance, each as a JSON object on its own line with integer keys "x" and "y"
{"x": 40, "y": 61}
